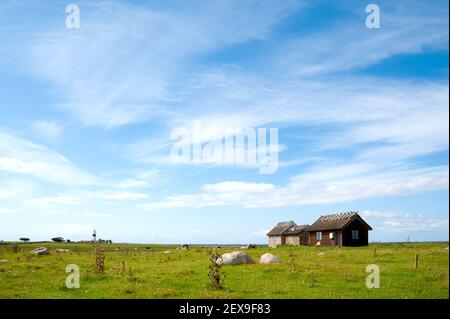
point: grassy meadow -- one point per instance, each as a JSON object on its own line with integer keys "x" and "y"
{"x": 305, "y": 272}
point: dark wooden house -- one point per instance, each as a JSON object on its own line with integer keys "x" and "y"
{"x": 346, "y": 229}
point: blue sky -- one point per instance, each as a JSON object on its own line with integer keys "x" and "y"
{"x": 86, "y": 116}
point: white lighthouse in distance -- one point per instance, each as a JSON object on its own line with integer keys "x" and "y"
{"x": 94, "y": 236}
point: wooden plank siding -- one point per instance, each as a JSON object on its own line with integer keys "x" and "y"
{"x": 343, "y": 237}
{"x": 363, "y": 234}
{"x": 326, "y": 241}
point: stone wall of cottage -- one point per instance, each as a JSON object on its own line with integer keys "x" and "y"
{"x": 275, "y": 241}
{"x": 293, "y": 240}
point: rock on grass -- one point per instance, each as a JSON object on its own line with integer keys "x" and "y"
{"x": 269, "y": 258}
{"x": 235, "y": 258}
{"x": 40, "y": 251}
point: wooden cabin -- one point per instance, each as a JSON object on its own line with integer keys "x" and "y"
{"x": 346, "y": 229}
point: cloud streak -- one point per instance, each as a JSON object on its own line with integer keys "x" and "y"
{"x": 395, "y": 222}
{"x": 23, "y": 157}
{"x": 121, "y": 66}
{"x": 330, "y": 185}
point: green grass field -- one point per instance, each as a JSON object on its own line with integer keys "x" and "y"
{"x": 339, "y": 273}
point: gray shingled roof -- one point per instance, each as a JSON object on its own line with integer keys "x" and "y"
{"x": 281, "y": 227}
{"x": 335, "y": 221}
{"x": 296, "y": 230}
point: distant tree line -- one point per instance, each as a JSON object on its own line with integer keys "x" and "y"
{"x": 101, "y": 241}
{"x": 105, "y": 241}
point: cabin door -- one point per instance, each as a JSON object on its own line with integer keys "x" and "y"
{"x": 338, "y": 238}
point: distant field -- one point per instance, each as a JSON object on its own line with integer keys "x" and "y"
{"x": 338, "y": 273}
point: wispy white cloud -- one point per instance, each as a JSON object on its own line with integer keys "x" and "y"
{"x": 82, "y": 197}
{"x": 13, "y": 189}
{"x": 23, "y": 157}
{"x": 393, "y": 121}
{"x": 57, "y": 200}
{"x": 130, "y": 64}
{"x": 106, "y": 87}
{"x": 48, "y": 130}
{"x": 111, "y": 78}
{"x": 133, "y": 183}
{"x": 142, "y": 179}
{"x": 395, "y": 222}
{"x": 308, "y": 56}
{"x": 320, "y": 185}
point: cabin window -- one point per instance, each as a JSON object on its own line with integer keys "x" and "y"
{"x": 319, "y": 235}
{"x": 355, "y": 234}
{"x": 331, "y": 235}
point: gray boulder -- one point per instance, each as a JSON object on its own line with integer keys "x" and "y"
{"x": 40, "y": 251}
{"x": 269, "y": 258}
{"x": 235, "y": 258}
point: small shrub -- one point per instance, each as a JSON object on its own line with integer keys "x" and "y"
{"x": 99, "y": 260}
{"x": 292, "y": 263}
{"x": 215, "y": 273}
